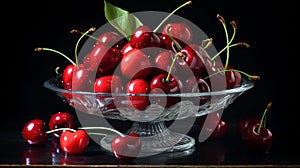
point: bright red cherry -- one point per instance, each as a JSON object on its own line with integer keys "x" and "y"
{"x": 34, "y": 132}
{"x": 111, "y": 39}
{"x": 61, "y": 120}
{"x": 135, "y": 64}
{"x": 138, "y": 86}
{"x": 74, "y": 143}
{"x": 127, "y": 148}
{"x": 164, "y": 84}
{"x": 101, "y": 56}
{"x": 144, "y": 37}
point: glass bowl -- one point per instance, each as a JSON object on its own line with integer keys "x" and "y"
{"x": 150, "y": 123}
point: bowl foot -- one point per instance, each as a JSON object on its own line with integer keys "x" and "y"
{"x": 156, "y": 138}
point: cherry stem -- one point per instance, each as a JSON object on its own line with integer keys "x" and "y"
{"x": 103, "y": 128}
{"x": 56, "y": 70}
{"x": 206, "y": 43}
{"x": 77, "y": 44}
{"x": 49, "y": 49}
{"x": 251, "y": 77}
{"x": 79, "y": 32}
{"x": 232, "y": 45}
{"x": 177, "y": 54}
{"x": 61, "y": 129}
{"x": 162, "y": 22}
{"x": 263, "y": 118}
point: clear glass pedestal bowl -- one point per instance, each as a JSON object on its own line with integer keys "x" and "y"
{"x": 150, "y": 124}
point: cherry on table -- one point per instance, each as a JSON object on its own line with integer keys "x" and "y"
{"x": 61, "y": 120}
{"x": 74, "y": 143}
{"x": 126, "y": 148}
{"x": 34, "y": 132}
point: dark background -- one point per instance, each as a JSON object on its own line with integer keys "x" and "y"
{"x": 268, "y": 27}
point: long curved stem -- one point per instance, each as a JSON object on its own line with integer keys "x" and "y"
{"x": 55, "y": 51}
{"x": 162, "y": 22}
{"x": 103, "y": 128}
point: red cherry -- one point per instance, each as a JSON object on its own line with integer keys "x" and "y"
{"x": 257, "y": 137}
{"x": 127, "y": 148}
{"x": 162, "y": 62}
{"x": 61, "y": 120}
{"x": 144, "y": 37}
{"x": 74, "y": 142}
{"x": 195, "y": 62}
{"x": 108, "y": 84}
{"x": 101, "y": 56}
{"x": 161, "y": 84}
{"x": 180, "y": 31}
{"x": 111, "y": 39}
{"x": 135, "y": 64}
{"x": 214, "y": 126}
{"x": 138, "y": 86}
{"x": 34, "y": 132}
{"x": 258, "y": 141}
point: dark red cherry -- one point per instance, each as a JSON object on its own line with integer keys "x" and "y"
{"x": 144, "y": 37}
{"x": 161, "y": 84}
{"x": 195, "y": 84}
{"x": 61, "y": 120}
{"x": 34, "y": 132}
{"x": 104, "y": 60}
{"x": 135, "y": 64}
{"x": 194, "y": 61}
{"x": 258, "y": 141}
{"x": 111, "y": 39}
{"x": 138, "y": 86}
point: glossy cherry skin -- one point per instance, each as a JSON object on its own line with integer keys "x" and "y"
{"x": 74, "y": 143}
{"x": 77, "y": 78}
{"x": 127, "y": 47}
{"x": 195, "y": 84}
{"x": 144, "y": 37}
{"x": 159, "y": 85}
{"x": 111, "y": 39}
{"x": 214, "y": 126}
{"x": 242, "y": 125}
{"x": 195, "y": 62}
{"x": 34, "y": 132}
{"x": 135, "y": 64}
{"x": 127, "y": 148}
{"x": 61, "y": 120}
{"x": 138, "y": 86}
{"x": 259, "y": 142}
{"x": 101, "y": 56}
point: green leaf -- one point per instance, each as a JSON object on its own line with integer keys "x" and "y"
{"x": 121, "y": 20}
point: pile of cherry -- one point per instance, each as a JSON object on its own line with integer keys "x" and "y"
{"x": 147, "y": 61}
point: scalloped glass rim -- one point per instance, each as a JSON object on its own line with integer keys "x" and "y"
{"x": 245, "y": 85}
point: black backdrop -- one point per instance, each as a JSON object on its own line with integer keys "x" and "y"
{"x": 266, "y": 27}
